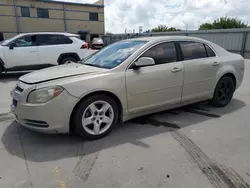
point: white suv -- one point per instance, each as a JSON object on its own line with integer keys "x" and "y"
{"x": 31, "y": 51}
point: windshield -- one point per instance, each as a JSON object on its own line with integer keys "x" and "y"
{"x": 5, "y": 42}
{"x": 113, "y": 55}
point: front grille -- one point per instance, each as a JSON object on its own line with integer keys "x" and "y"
{"x": 18, "y": 90}
{"x": 35, "y": 123}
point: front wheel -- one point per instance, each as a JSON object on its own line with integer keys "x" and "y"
{"x": 1, "y": 69}
{"x": 95, "y": 117}
{"x": 223, "y": 92}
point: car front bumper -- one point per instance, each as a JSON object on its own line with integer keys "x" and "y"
{"x": 51, "y": 117}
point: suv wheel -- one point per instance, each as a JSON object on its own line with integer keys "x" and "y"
{"x": 223, "y": 92}
{"x": 95, "y": 117}
{"x": 68, "y": 60}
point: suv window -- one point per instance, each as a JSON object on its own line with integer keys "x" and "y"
{"x": 53, "y": 40}
{"x": 193, "y": 50}
{"x": 210, "y": 52}
{"x": 25, "y": 41}
{"x": 162, "y": 53}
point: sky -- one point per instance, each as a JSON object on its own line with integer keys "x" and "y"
{"x": 181, "y": 14}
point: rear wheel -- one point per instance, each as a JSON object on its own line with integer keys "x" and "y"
{"x": 68, "y": 60}
{"x": 224, "y": 92}
{"x": 95, "y": 117}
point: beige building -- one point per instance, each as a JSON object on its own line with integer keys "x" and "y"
{"x": 20, "y": 16}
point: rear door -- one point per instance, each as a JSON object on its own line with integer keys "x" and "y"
{"x": 200, "y": 69}
{"x": 24, "y": 55}
{"x": 51, "y": 47}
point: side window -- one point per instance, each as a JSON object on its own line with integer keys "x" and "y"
{"x": 162, "y": 53}
{"x": 59, "y": 39}
{"x": 25, "y": 12}
{"x": 25, "y": 41}
{"x": 43, "y": 40}
{"x": 210, "y": 52}
{"x": 53, "y": 40}
{"x": 193, "y": 50}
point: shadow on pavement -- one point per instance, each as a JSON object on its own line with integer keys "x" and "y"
{"x": 42, "y": 147}
{"x": 7, "y": 77}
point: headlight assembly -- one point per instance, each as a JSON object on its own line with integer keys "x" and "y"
{"x": 44, "y": 95}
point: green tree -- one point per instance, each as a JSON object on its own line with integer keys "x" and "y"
{"x": 164, "y": 28}
{"x": 224, "y": 23}
{"x": 160, "y": 28}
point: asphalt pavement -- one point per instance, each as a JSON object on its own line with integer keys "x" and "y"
{"x": 197, "y": 146}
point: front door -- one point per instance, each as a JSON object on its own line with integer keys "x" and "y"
{"x": 23, "y": 53}
{"x": 153, "y": 86}
{"x": 201, "y": 66}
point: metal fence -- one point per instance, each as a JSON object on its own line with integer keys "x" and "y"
{"x": 234, "y": 40}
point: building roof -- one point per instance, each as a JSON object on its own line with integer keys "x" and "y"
{"x": 72, "y": 3}
{"x": 51, "y": 33}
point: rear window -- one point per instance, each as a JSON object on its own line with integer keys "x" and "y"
{"x": 210, "y": 52}
{"x": 97, "y": 40}
{"x": 193, "y": 50}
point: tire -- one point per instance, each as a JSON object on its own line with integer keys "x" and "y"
{"x": 224, "y": 92}
{"x": 95, "y": 116}
{"x": 68, "y": 60}
{"x": 1, "y": 70}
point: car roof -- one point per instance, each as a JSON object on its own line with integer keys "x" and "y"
{"x": 50, "y": 33}
{"x": 160, "y": 38}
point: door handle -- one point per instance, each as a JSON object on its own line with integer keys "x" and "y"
{"x": 176, "y": 69}
{"x": 216, "y": 63}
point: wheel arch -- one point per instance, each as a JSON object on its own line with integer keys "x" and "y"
{"x": 231, "y": 75}
{"x": 70, "y": 54}
{"x": 100, "y": 92}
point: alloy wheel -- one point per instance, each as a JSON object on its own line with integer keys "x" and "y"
{"x": 98, "y": 117}
{"x": 224, "y": 91}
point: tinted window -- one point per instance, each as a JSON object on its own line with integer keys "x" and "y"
{"x": 25, "y": 41}
{"x": 42, "y": 13}
{"x": 25, "y": 11}
{"x": 93, "y": 16}
{"x": 193, "y": 50}
{"x": 113, "y": 55}
{"x": 162, "y": 53}
{"x": 210, "y": 52}
{"x": 53, "y": 40}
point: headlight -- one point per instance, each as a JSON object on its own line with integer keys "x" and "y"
{"x": 44, "y": 95}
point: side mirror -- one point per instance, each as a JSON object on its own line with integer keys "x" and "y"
{"x": 144, "y": 61}
{"x": 11, "y": 46}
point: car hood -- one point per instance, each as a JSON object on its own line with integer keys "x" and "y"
{"x": 57, "y": 72}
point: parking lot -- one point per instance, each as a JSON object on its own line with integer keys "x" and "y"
{"x": 193, "y": 146}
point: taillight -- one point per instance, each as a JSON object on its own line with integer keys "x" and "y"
{"x": 84, "y": 46}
